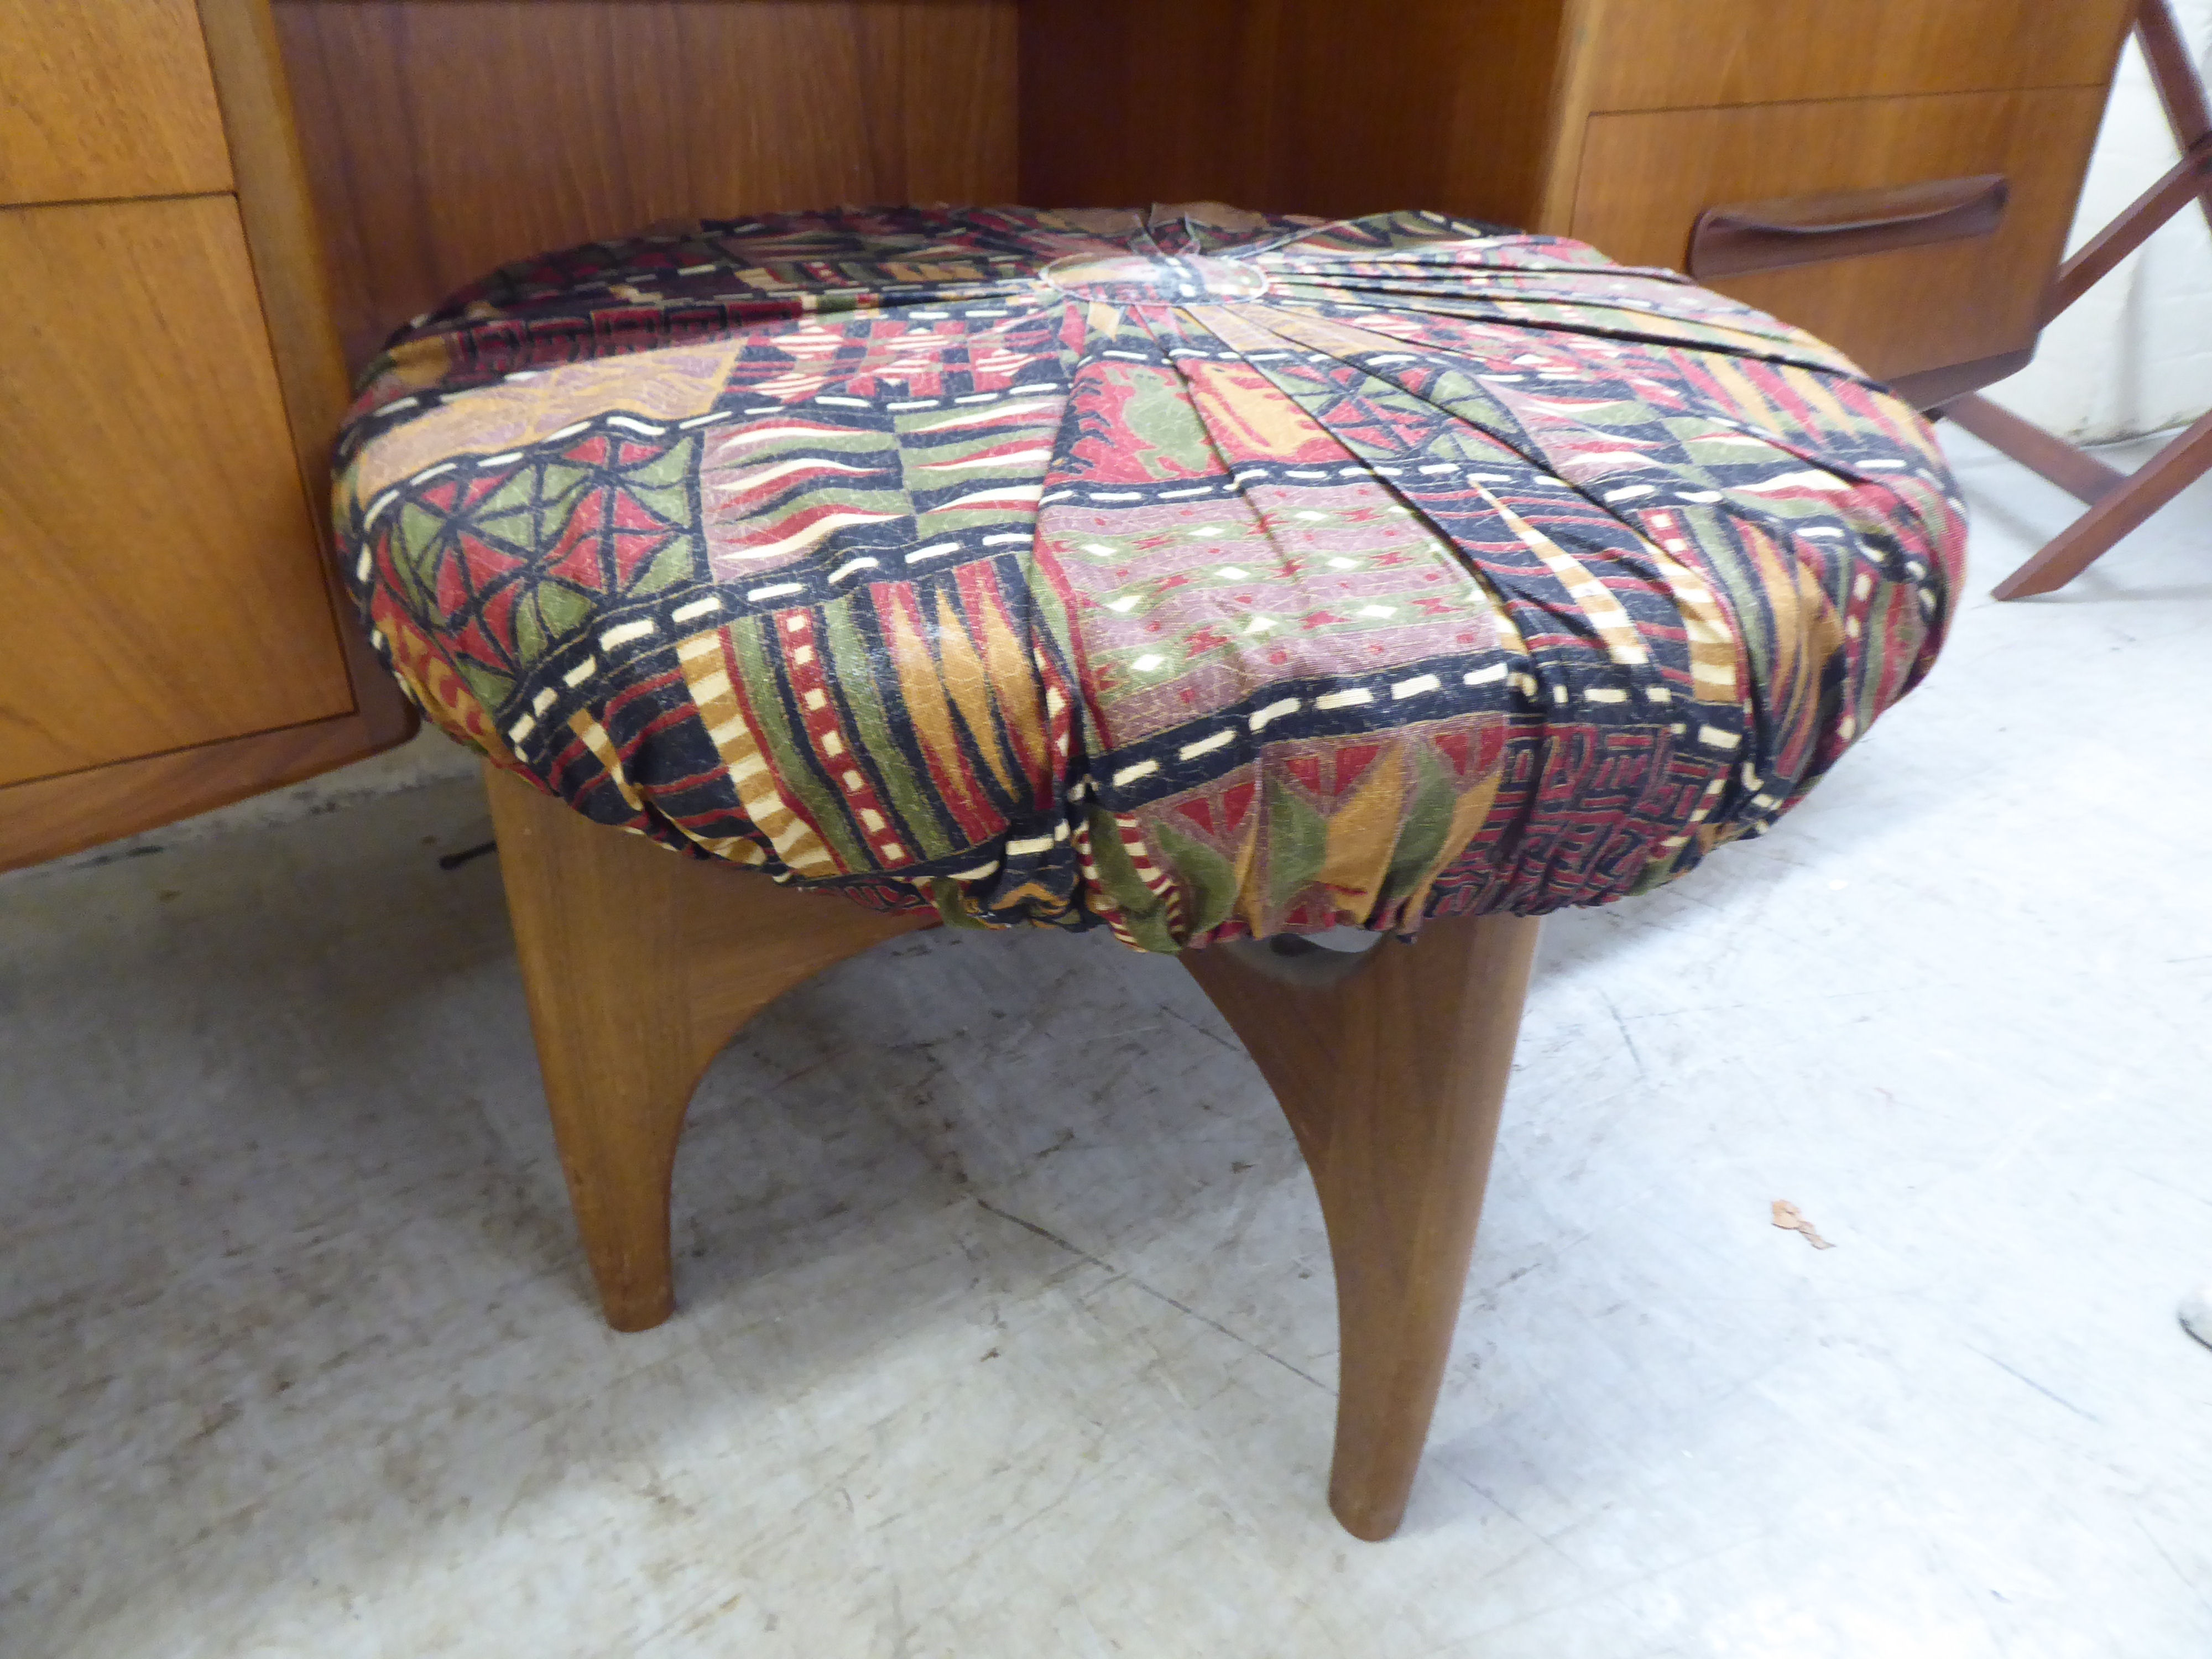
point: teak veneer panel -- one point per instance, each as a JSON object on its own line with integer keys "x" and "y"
{"x": 1294, "y": 106}
{"x": 278, "y": 211}
{"x": 1646, "y": 177}
{"x": 164, "y": 587}
{"x": 49, "y": 818}
{"x": 445, "y": 140}
{"x": 281, "y": 233}
{"x": 1682, "y": 54}
{"x": 106, "y": 98}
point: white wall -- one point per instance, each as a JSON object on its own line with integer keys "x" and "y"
{"x": 2134, "y": 354}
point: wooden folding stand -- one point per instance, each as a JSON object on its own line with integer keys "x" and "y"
{"x": 2118, "y": 501}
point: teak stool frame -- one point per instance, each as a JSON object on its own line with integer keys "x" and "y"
{"x": 2117, "y": 501}
{"x": 640, "y": 965}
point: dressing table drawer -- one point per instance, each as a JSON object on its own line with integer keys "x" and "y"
{"x": 1646, "y": 178}
{"x": 1689, "y": 54}
{"x": 106, "y": 98}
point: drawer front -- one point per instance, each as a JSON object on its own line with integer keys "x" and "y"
{"x": 106, "y": 98}
{"x": 1645, "y": 178}
{"x": 163, "y": 584}
{"x": 1685, "y": 54}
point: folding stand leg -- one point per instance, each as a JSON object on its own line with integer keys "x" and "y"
{"x": 2117, "y": 501}
{"x": 2078, "y": 546}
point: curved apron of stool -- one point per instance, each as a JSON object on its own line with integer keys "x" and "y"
{"x": 640, "y": 966}
{"x": 1392, "y": 1076}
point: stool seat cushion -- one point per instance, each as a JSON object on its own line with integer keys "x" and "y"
{"x": 1198, "y": 573}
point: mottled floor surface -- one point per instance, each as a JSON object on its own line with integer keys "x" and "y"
{"x": 297, "y": 1356}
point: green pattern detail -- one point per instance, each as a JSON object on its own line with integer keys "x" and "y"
{"x": 516, "y": 496}
{"x": 1208, "y": 879}
{"x": 663, "y": 484}
{"x": 790, "y": 758}
{"x": 530, "y": 641}
{"x": 672, "y": 564}
{"x": 416, "y": 541}
{"x": 563, "y": 607}
{"x": 853, "y": 670}
{"x": 1297, "y": 842}
{"x": 1144, "y": 913}
{"x": 490, "y": 689}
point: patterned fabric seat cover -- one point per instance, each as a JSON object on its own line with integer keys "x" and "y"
{"x": 1196, "y": 573}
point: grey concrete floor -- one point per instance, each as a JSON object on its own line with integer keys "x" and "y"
{"x": 297, "y": 1355}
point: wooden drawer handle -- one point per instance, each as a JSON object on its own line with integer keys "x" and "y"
{"x": 1800, "y": 230}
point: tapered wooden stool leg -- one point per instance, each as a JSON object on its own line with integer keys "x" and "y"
{"x": 639, "y": 965}
{"x": 1392, "y": 1079}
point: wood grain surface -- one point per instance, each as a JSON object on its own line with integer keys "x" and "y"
{"x": 49, "y": 818}
{"x": 106, "y": 98}
{"x": 1291, "y": 105}
{"x": 284, "y": 241}
{"x": 445, "y": 140}
{"x": 639, "y": 964}
{"x": 1682, "y": 54}
{"x": 164, "y": 582}
{"x": 1646, "y": 177}
{"x": 1393, "y": 1079}
{"x": 2183, "y": 461}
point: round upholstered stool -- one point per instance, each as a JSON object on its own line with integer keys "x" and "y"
{"x": 1202, "y": 575}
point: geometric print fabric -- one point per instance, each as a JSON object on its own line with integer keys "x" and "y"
{"x": 1195, "y": 572}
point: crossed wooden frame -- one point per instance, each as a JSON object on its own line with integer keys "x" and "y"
{"x": 641, "y": 965}
{"x": 2117, "y": 501}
